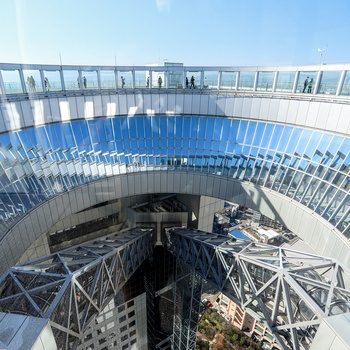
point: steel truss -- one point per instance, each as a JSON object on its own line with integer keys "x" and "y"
{"x": 73, "y": 286}
{"x": 290, "y": 291}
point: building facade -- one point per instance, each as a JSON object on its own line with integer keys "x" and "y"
{"x": 75, "y": 141}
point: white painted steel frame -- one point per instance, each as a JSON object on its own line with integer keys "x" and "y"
{"x": 73, "y": 286}
{"x": 290, "y": 291}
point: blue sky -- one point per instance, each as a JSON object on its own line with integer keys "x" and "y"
{"x": 195, "y": 32}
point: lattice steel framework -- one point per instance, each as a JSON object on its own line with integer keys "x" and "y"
{"x": 73, "y": 286}
{"x": 290, "y": 291}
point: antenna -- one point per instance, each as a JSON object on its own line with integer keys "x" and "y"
{"x": 322, "y": 53}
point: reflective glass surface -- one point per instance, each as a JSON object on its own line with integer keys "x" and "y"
{"x": 12, "y": 81}
{"x": 124, "y": 79}
{"x": 265, "y": 81}
{"x": 329, "y": 82}
{"x": 72, "y": 80}
{"x": 310, "y": 166}
{"x": 33, "y": 80}
{"x": 346, "y": 85}
{"x": 285, "y": 81}
{"x": 306, "y": 82}
{"x": 52, "y": 80}
{"x": 228, "y": 80}
{"x": 89, "y": 79}
{"x": 210, "y": 80}
{"x": 68, "y": 78}
{"x": 107, "y": 79}
{"x": 246, "y": 80}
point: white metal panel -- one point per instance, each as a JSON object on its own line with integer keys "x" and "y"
{"x": 212, "y": 105}
{"x": 147, "y": 105}
{"x": 187, "y": 106}
{"x": 23, "y": 113}
{"x": 122, "y": 104}
{"x": 302, "y": 113}
{"x": 47, "y": 110}
{"x": 155, "y": 103}
{"x": 333, "y": 117}
{"x": 246, "y": 107}
{"x": 200, "y": 104}
{"x": 283, "y": 108}
{"x": 229, "y": 104}
{"x": 88, "y": 107}
{"x": 344, "y": 120}
{"x": 37, "y": 107}
{"x": 163, "y": 103}
{"x": 179, "y": 104}
{"x": 255, "y": 108}
{"x": 273, "y": 110}
{"x": 98, "y": 111}
{"x": 55, "y": 109}
{"x": 80, "y": 106}
{"x": 131, "y": 106}
{"x": 264, "y": 108}
{"x": 113, "y": 106}
{"x": 238, "y": 106}
{"x": 170, "y": 108}
{"x": 105, "y": 102}
{"x": 220, "y": 105}
{"x": 293, "y": 111}
{"x": 312, "y": 115}
{"x": 323, "y": 114}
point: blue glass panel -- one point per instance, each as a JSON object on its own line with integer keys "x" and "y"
{"x": 124, "y": 126}
{"x": 85, "y": 133}
{"x": 108, "y": 126}
{"x": 93, "y": 131}
{"x": 242, "y": 131}
{"x": 178, "y": 127}
{"x": 265, "y": 141}
{"x": 194, "y": 127}
{"x": 68, "y": 134}
{"x": 250, "y": 133}
{"x": 186, "y": 127}
{"x": 210, "y": 128}
{"x": 293, "y": 141}
{"x": 132, "y": 126}
{"x": 217, "y": 129}
{"x": 163, "y": 127}
{"x": 5, "y": 140}
{"x": 148, "y": 127}
{"x": 100, "y": 127}
{"x": 277, "y": 132}
{"x": 155, "y": 126}
{"x": 50, "y": 129}
{"x": 77, "y": 132}
{"x": 117, "y": 129}
{"x": 170, "y": 127}
{"x": 234, "y": 131}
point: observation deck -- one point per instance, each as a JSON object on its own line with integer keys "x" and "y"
{"x": 247, "y": 134}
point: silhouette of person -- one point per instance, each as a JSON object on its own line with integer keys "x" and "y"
{"x": 192, "y": 81}
{"x": 147, "y": 82}
{"x": 84, "y": 82}
{"x": 122, "y": 80}
{"x": 32, "y": 82}
{"x": 29, "y": 84}
{"x": 306, "y": 83}
{"x": 186, "y": 82}
{"x": 309, "y": 88}
{"x": 160, "y": 81}
{"x": 47, "y": 84}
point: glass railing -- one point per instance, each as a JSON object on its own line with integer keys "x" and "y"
{"x": 327, "y": 80}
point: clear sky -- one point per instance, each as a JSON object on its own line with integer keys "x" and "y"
{"x": 194, "y": 32}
